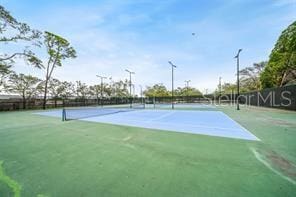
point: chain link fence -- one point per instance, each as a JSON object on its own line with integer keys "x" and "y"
{"x": 283, "y": 97}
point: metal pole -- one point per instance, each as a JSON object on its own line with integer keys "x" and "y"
{"x": 101, "y": 87}
{"x": 232, "y": 93}
{"x": 130, "y": 84}
{"x": 173, "y": 66}
{"x": 237, "y": 73}
{"x": 187, "y": 89}
{"x": 141, "y": 94}
{"x": 102, "y": 84}
{"x": 111, "y": 86}
{"x": 172, "y": 87}
{"x": 220, "y": 87}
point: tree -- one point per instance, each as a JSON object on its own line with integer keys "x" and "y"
{"x": 82, "y": 90}
{"x": 55, "y": 89}
{"x": 187, "y": 91}
{"x": 250, "y": 76}
{"x": 95, "y": 90}
{"x": 13, "y": 31}
{"x": 4, "y": 72}
{"x": 249, "y": 80}
{"x": 281, "y": 67}
{"x": 58, "y": 49}
{"x": 120, "y": 88}
{"x": 107, "y": 90}
{"x": 67, "y": 89}
{"x": 228, "y": 88}
{"x": 157, "y": 90}
{"x": 24, "y": 85}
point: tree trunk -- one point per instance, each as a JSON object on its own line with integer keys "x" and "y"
{"x": 45, "y": 94}
{"x": 24, "y": 102}
{"x": 55, "y": 102}
{"x": 283, "y": 78}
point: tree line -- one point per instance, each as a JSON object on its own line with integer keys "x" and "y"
{"x": 27, "y": 39}
{"x": 279, "y": 70}
{"x": 159, "y": 90}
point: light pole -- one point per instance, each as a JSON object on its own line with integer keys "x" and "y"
{"x": 173, "y": 66}
{"x": 187, "y": 83}
{"x": 111, "y": 86}
{"x": 102, "y": 78}
{"x": 130, "y": 85}
{"x": 232, "y": 95}
{"x": 237, "y": 74}
{"x": 187, "y": 88}
{"x": 133, "y": 85}
{"x": 141, "y": 93}
{"x": 220, "y": 87}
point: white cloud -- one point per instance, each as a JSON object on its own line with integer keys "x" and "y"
{"x": 284, "y": 2}
{"x": 107, "y": 42}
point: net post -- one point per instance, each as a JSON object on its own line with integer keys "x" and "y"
{"x": 64, "y": 115}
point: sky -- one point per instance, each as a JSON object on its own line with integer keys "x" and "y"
{"x": 143, "y": 35}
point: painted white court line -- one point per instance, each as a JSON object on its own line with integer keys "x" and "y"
{"x": 213, "y": 123}
{"x": 239, "y": 125}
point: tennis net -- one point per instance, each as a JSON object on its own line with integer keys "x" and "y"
{"x": 77, "y": 113}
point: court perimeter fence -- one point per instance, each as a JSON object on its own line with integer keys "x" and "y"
{"x": 283, "y": 97}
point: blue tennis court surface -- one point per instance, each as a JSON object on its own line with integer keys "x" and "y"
{"x": 213, "y": 123}
{"x": 181, "y": 106}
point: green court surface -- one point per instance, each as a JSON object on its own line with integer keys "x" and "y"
{"x": 43, "y": 156}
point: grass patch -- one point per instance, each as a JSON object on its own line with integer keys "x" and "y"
{"x": 12, "y": 184}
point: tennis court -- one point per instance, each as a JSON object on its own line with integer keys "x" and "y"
{"x": 212, "y": 123}
{"x": 43, "y": 156}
